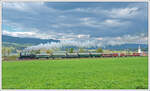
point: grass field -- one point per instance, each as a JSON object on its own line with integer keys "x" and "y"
{"x": 92, "y": 73}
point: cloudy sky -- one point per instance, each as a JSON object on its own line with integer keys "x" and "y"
{"x": 118, "y": 22}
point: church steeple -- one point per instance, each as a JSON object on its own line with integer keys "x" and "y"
{"x": 139, "y": 49}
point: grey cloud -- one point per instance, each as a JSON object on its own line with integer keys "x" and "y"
{"x": 44, "y": 20}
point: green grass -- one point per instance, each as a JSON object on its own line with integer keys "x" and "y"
{"x": 93, "y": 73}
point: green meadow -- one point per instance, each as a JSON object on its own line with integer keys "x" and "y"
{"x": 85, "y": 73}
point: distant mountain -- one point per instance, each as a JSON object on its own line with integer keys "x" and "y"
{"x": 127, "y": 46}
{"x": 18, "y": 40}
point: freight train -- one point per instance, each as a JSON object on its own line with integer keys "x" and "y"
{"x": 75, "y": 55}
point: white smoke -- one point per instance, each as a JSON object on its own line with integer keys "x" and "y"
{"x": 98, "y": 42}
{"x": 65, "y": 43}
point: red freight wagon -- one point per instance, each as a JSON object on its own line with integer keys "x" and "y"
{"x": 129, "y": 55}
{"x": 106, "y": 55}
{"x": 122, "y": 55}
{"x": 136, "y": 54}
{"x": 115, "y": 54}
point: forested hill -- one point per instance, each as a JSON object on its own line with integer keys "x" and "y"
{"x": 18, "y": 40}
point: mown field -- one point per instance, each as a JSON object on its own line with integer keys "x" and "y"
{"x": 88, "y": 73}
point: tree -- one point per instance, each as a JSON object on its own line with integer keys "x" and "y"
{"x": 38, "y": 52}
{"x": 3, "y": 51}
{"x": 32, "y": 51}
{"x": 99, "y": 50}
{"x": 8, "y": 51}
{"x": 81, "y": 50}
{"x": 71, "y": 50}
{"x": 48, "y": 51}
{"x": 67, "y": 50}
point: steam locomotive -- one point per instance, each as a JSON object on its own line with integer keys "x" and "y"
{"x": 75, "y": 55}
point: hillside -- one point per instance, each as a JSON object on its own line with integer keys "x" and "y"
{"x": 18, "y": 40}
{"x": 21, "y": 43}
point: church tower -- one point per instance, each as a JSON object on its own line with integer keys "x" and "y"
{"x": 139, "y": 49}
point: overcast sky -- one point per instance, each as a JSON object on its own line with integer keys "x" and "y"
{"x": 119, "y": 22}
